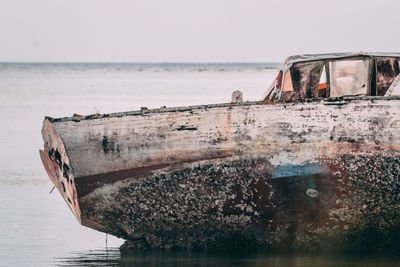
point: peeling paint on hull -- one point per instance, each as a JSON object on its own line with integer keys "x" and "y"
{"x": 315, "y": 175}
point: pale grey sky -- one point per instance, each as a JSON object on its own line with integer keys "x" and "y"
{"x": 192, "y": 31}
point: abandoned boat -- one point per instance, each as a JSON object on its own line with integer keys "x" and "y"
{"x": 313, "y": 165}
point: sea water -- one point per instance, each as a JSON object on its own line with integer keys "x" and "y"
{"x": 36, "y": 227}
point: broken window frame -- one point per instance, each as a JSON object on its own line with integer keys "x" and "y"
{"x": 386, "y": 79}
{"x": 368, "y": 82}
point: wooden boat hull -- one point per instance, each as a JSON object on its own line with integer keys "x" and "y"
{"x": 312, "y": 175}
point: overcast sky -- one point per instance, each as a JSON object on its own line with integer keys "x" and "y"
{"x": 192, "y": 31}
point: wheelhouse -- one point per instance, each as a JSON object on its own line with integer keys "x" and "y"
{"x": 336, "y": 75}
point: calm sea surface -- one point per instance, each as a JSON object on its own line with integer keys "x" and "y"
{"x": 37, "y": 228}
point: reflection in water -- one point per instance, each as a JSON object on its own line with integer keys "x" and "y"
{"x": 113, "y": 257}
{"x": 100, "y": 257}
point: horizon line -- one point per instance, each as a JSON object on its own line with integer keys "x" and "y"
{"x": 138, "y": 62}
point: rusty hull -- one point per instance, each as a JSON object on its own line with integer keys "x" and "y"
{"x": 322, "y": 174}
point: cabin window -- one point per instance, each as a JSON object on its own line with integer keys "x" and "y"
{"x": 386, "y": 70}
{"x": 322, "y": 87}
{"x": 287, "y": 82}
{"x": 349, "y": 77}
{"x": 287, "y": 91}
{"x": 305, "y": 78}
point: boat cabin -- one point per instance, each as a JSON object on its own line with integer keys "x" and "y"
{"x": 336, "y": 75}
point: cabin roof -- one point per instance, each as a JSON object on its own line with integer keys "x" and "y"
{"x": 314, "y": 57}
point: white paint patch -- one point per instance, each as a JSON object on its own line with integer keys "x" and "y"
{"x": 312, "y": 193}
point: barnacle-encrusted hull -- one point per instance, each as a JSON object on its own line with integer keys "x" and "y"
{"x": 317, "y": 174}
